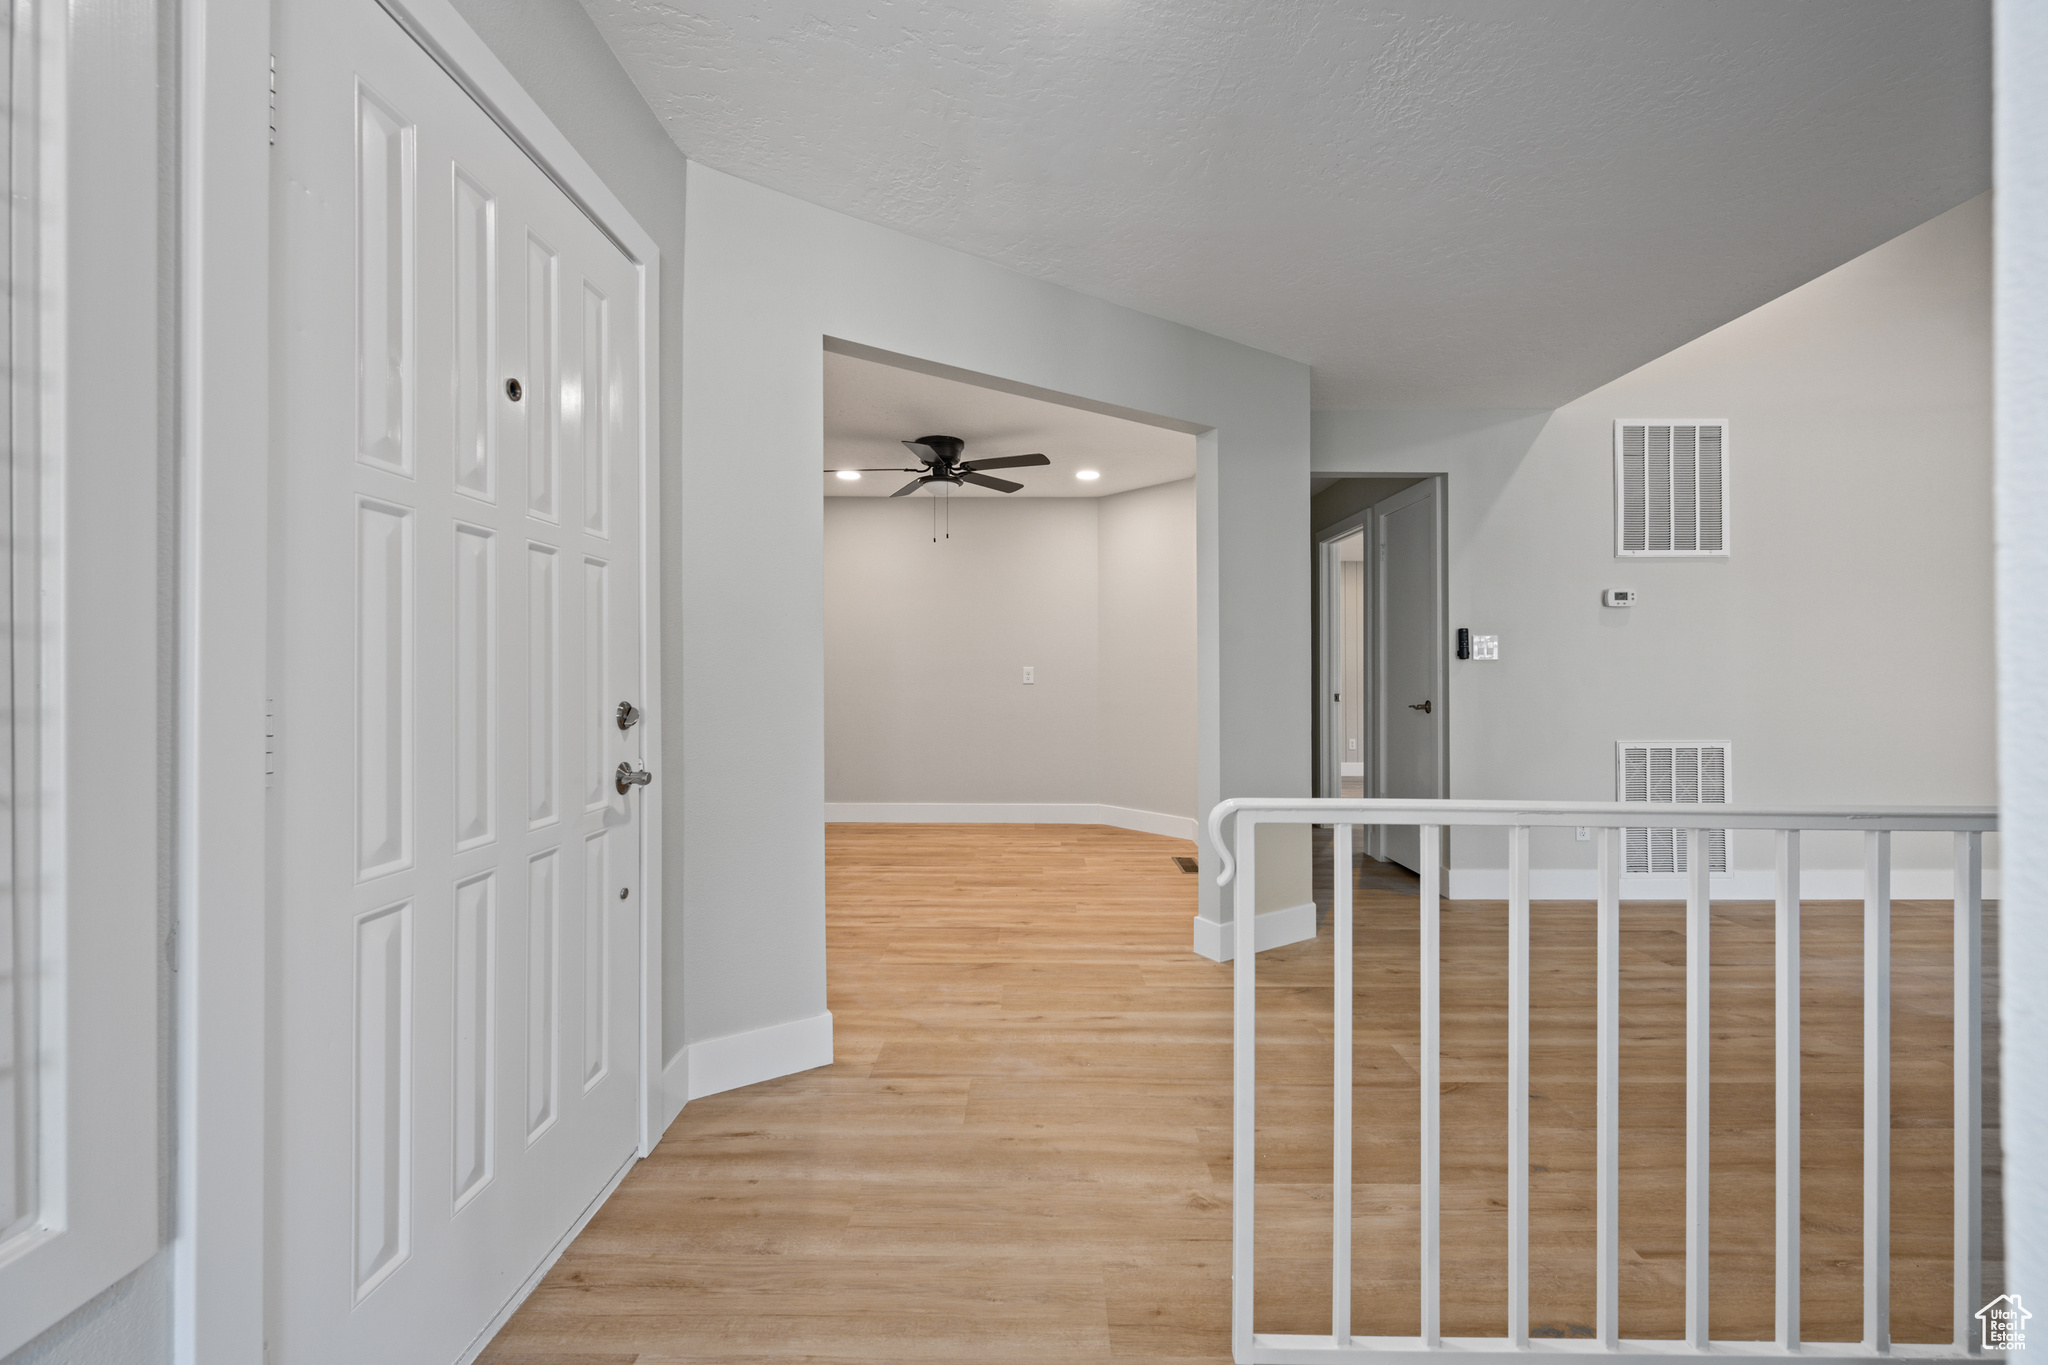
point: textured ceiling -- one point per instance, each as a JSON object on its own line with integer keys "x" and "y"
{"x": 871, "y": 408}
{"x": 1453, "y": 204}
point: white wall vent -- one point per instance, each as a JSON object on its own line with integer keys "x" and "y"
{"x": 1670, "y": 488}
{"x": 1677, "y": 773}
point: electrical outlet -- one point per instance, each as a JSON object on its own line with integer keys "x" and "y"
{"x": 1030, "y": 673}
{"x": 1354, "y": 744}
{"x": 1582, "y": 833}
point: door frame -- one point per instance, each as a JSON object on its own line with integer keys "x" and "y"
{"x": 222, "y": 950}
{"x": 1329, "y": 671}
{"x": 1329, "y": 628}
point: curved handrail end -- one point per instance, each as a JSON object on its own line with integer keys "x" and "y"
{"x": 1222, "y": 811}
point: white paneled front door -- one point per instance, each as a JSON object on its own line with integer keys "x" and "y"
{"x": 458, "y": 612}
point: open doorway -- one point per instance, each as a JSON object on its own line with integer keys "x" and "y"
{"x": 1382, "y": 716}
{"x": 1008, "y": 649}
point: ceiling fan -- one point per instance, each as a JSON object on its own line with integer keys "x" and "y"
{"x": 942, "y": 464}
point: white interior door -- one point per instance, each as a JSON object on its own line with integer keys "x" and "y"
{"x": 1408, "y": 698}
{"x": 458, "y": 618}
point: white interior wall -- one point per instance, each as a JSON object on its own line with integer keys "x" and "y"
{"x": 771, "y": 277}
{"x": 2022, "y": 289}
{"x": 1844, "y": 647}
{"x": 1145, "y": 624}
{"x": 925, "y": 645}
{"x": 926, "y": 713}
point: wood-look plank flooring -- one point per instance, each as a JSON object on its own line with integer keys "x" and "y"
{"x": 1022, "y": 1152}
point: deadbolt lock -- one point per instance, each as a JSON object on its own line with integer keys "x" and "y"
{"x": 513, "y": 391}
{"x": 629, "y": 715}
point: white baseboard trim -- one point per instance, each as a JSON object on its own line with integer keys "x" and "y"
{"x": 520, "y": 1295}
{"x": 1150, "y": 822}
{"x": 1743, "y": 884}
{"x": 1011, "y": 813}
{"x": 675, "y": 1090}
{"x": 1273, "y": 929}
{"x": 1351, "y": 770}
{"x": 720, "y": 1064}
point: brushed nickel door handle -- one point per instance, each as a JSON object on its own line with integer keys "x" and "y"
{"x": 1422, "y": 706}
{"x": 629, "y": 778}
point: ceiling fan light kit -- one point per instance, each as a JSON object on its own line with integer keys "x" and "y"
{"x": 940, "y": 462}
{"x": 940, "y": 465}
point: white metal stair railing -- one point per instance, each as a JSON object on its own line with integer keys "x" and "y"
{"x": 1967, "y": 824}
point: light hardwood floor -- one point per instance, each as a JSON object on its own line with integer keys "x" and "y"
{"x": 1022, "y": 1151}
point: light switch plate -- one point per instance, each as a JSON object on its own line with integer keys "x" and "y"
{"x": 1486, "y": 646}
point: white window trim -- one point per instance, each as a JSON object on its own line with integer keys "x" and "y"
{"x": 1727, "y": 488}
{"x": 99, "y": 751}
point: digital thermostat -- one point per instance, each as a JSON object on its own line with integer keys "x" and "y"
{"x": 1620, "y": 597}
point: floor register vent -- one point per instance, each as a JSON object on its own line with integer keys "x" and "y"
{"x": 1675, "y": 773}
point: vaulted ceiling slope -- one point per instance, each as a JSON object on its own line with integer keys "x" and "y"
{"x": 1471, "y": 204}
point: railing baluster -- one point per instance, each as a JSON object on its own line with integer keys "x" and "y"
{"x": 1343, "y": 1022}
{"x": 1432, "y": 1085}
{"x": 1238, "y": 855}
{"x": 1698, "y": 961}
{"x": 1969, "y": 1053}
{"x": 1518, "y": 1085}
{"x": 1877, "y": 1090}
{"x": 1788, "y": 1090}
{"x": 1244, "y": 1101}
{"x": 1607, "y": 1106}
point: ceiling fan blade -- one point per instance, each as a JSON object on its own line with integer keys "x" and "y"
{"x": 1000, "y": 485}
{"x": 889, "y": 469}
{"x": 1006, "y": 462}
{"x": 923, "y": 451}
{"x": 912, "y": 486}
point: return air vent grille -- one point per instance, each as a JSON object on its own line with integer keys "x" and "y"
{"x": 1682, "y": 774}
{"x": 1670, "y": 488}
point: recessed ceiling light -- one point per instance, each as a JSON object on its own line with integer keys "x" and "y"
{"x": 1087, "y": 475}
{"x": 849, "y": 474}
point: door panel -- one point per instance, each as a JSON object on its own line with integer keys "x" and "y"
{"x": 457, "y": 608}
{"x": 1409, "y": 612}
